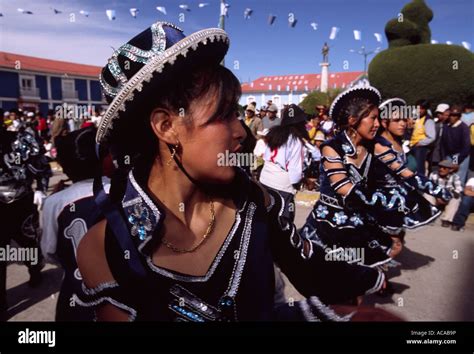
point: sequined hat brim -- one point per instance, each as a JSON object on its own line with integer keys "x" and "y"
{"x": 155, "y": 66}
{"x": 363, "y": 90}
{"x": 392, "y": 101}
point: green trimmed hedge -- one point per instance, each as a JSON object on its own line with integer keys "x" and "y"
{"x": 425, "y": 71}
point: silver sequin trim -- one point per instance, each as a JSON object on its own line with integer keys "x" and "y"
{"x": 306, "y": 311}
{"x": 327, "y": 312}
{"x": 239, "y": 266}
{"x": 132, "y": 312}
{"x": 132, "y": 202}
{"x": 145, "y": 197}
{"x": 99, "y": 288}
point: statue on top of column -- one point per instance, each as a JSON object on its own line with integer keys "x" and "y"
{"x": 325, "y": 52}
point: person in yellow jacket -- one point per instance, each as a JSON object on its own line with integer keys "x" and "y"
{"x": 423, "y": 136}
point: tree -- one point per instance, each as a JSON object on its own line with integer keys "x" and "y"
{"x": 412, "y": 68}
{"x": 317, "y": 98}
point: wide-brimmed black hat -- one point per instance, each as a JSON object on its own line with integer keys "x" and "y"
{"x": 292, "y": 115}
{"x": 361, "y": 90}
{"x": 386, "y": 107}
{"x": 150, "y": 60}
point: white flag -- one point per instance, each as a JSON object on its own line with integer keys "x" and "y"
{"x": 134, "y": 12}
{"x": 378, "y": 36}
{"x": 224, "y": 9}
{"x": 449, "y": 42}
{"x": 466, "y": 45}
{"x": 110, "y": 14}
{"x": 357, "y": 35}
{"x": 203, "y": 4}
{"x": 314, "y": 25}
{"x": 334, "y": 32}
{"x": 84, "y": 13}
{"x": 247, "y": 13}
{"x": 162, "y": 9}
{"x": 434, "y": 41}
{"x": 185, "y": 7}
{"x": 25, "y": 12}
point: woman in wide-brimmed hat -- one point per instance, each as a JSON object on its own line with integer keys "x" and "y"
{"x": 391, "y": 172}
{"x": 284, "y": 156}
{"x": 342, "y": 219}
{"x": 185, "y": 238}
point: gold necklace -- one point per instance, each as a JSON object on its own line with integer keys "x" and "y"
{"x": 209, "y": 229}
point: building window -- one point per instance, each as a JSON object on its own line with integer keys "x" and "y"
{"x": 68, "y": 87}
{"x": 28, "y": 86}
{"x": 27, "y": 82}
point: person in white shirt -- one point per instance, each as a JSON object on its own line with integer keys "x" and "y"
{"x": 284, "y": 156}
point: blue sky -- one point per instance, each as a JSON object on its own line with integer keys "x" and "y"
{"x": 259, "y": 49}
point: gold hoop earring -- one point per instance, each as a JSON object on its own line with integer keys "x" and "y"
{"x": 352, "y": 132}
{"x": 173, "y": 153}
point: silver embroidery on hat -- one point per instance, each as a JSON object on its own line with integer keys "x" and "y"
{"x": 135, "y": 54}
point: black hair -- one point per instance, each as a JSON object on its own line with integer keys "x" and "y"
{"x": 279, "y": 135}
{"x": 76, "y": 154}
{"x": 423, "y": 103}
{"x": 357, "y": 107}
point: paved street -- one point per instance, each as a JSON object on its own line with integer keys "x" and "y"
{"x": 435, "y": 282}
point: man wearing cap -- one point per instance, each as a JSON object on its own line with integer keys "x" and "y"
{"x": 442, "y": 116}
{"x": 252, "y": 121}
{"x": 456, "y": 142}
{"x": 271, "y": 119}
{"x": 447, "y": 178}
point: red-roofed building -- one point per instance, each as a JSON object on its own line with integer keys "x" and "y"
{"x": 287, "y": 89}
{"x": 41, "y": 84}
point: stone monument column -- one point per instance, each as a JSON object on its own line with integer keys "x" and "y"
{"x": 325, "y": 68}
{"x": 324, "y": 77}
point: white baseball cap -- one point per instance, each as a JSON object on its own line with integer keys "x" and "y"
{"x": 442, "y": 107}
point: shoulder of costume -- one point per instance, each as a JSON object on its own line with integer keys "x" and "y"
{"x": 382, "y": 141}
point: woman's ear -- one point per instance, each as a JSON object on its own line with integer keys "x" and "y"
{"x": 161, "y": 122}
